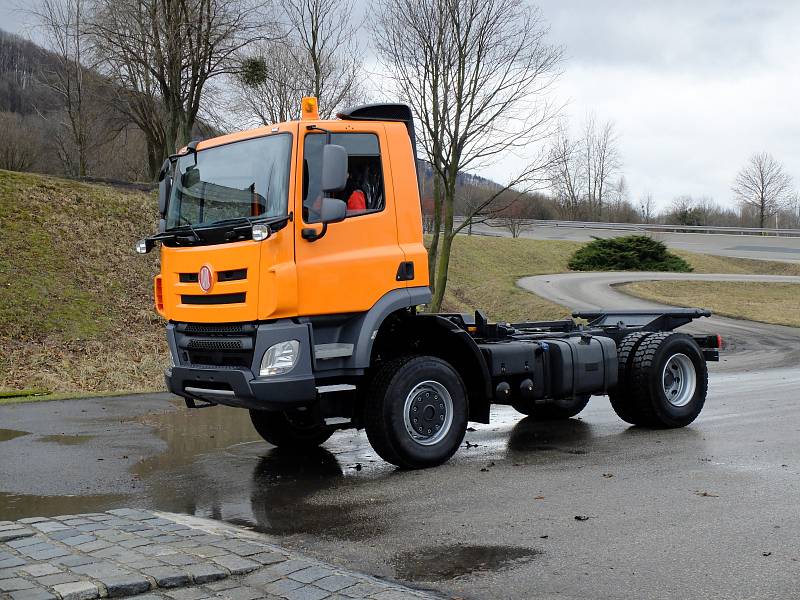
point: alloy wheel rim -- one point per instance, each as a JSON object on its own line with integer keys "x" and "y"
{"x": 679, "y": 380}
{"x": 428, "y": 413}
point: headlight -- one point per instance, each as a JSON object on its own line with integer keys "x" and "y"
{"x": 280, "y": 358}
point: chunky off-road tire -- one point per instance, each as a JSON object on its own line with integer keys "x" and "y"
{"x": 557, "y": 410}
{"x": 289, "y": 430}
{"x": 667, "y": 381}
{"x": 621, "y": 400}
{"x": 416, "y": 412}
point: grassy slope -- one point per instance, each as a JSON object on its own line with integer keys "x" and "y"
{"x": 775, "y": 303}
{"x": 75, "y": 300}
{"x": 484, "y": 271}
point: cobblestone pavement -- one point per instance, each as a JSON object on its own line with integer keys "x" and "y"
{"x": 129, "y": 552}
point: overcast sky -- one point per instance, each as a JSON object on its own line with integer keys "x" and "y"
{"x": 693, "y": 87}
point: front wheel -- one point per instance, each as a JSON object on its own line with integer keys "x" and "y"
{"x": 416, "y": 412}
{"x": 295, "y": 430}
{"x": 557, "y": 410}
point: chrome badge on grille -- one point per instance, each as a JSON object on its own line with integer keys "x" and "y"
{"x": 205, "y": 278}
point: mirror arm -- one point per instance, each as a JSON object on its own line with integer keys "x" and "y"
{"x": 312, "y": 235}
{"x": 327, "y": 132}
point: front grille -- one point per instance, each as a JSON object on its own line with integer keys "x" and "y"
{"x": 232, "y": 275}
{"x": 215, "y": 344}
{"x": 213, "y": 298}
{"x": 214, "y": 328}
{"x": 225, "y": 345}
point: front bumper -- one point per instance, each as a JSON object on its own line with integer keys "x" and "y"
{"x": 238, "y": 385}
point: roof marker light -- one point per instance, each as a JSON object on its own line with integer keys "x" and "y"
{"x": 309, "y": 109}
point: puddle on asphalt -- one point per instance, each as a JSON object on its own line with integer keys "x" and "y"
{"x": 66, "y": 440}
{"x": 439, "y": 563}
{"x": 191, "y": 432}
{"x": 10, "y": 434}
{"x": 569, "y": 437}
{"x": 18, "y": 506}
{"x": 282, "y": 497}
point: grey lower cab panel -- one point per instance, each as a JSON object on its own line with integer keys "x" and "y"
{"x": 335, "y": 350}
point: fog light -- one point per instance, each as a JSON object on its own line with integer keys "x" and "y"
{"x": 141, "y": 247}
{"x": 280, "y": 358}
{"x": 261, "y": 232}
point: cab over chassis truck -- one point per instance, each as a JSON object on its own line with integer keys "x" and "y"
{"x": 284, "y": 300}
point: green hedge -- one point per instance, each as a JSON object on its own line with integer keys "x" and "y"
{"x": 629, "y": 253}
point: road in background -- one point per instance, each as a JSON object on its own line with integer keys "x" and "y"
{"x": 750, "y": 346}
{"x": 739, "y": 246}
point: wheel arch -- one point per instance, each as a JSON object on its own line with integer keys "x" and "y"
{"x": 434, "y": 335}
{"x": 368, "y": 328}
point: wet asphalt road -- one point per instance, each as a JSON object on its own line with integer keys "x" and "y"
{"x": 749, "y": 346}
{"x": 707, "y": 511}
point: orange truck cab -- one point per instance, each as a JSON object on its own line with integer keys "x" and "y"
{"x": 292, "y": 269}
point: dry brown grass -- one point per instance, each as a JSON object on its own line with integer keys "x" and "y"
{"x": 775, "y": 303}
{"x": 706, "y": 263}
{"x": 484, "y": 272}
{"x": 75, "y": 300}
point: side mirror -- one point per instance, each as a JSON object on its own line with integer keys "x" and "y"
{"x": 164, "y": 186}
{"x": 333, "y": 210}
{"x": 334, "y": 168}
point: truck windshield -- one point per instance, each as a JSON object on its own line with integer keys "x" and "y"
{"x": 246, "y": 179}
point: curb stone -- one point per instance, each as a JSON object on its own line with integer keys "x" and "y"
{"x": 130, "y": 552}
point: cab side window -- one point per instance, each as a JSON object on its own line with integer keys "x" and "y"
{"x": 364, "y": 192}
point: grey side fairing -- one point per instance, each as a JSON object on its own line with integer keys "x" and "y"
{"x": 360, "y": 329}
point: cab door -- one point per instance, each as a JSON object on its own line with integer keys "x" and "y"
{"x": 357, "y": 260}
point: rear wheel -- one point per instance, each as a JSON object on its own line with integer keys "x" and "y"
{"x": 416, "y": 412}
{"x": 296, "y": 429}
{"x": 667, "y": 381}
{"x": 563, "y": 408}
{"x": 621, "y": 400}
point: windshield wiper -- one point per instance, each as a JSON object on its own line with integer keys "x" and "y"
{"x": 249, "y": 220}
{"x": 189, "y": 227}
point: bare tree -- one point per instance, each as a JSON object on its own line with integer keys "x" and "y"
{"x": 476, "y": 73}
{"x": 62, "y": 23}
{"x": 567, "y": 172}
{"x": 331, "y": 64}
{"x": 516, "y": 217}
{"x": 582, "y": 169}
{"x": 764, "y": 186}
{"x": 647, "y": 207}
{"x": 20, "y": 147}
{"x": 601, "y": 162}
{"x": 270, "y": 85}
{"x": 317, "y": 55}
{"x": 165, "y": 54}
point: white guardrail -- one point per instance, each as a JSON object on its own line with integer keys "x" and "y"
{"x": 656, "y": 227}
